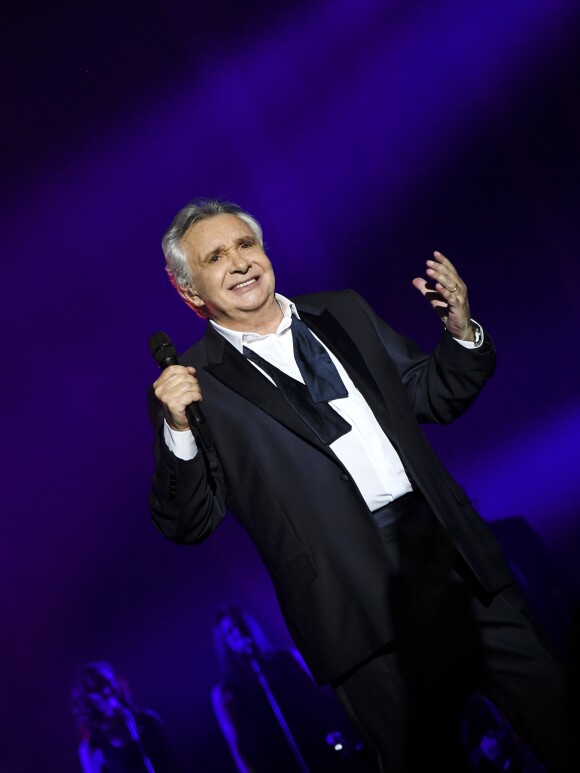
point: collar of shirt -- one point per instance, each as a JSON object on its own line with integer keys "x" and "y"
{"x": 365, "y": 452}
{"x": 239, "y": 340}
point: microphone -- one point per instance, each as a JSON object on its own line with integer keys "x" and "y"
{"x": 165, "y": 355}
{"x": 130, "y": 723}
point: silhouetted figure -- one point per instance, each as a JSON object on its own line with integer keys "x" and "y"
{"x": 116, "y": 736}
{"x": 491, "y": 742}
{"x": 549, "y": 593}
{"x": 272, "y": 714}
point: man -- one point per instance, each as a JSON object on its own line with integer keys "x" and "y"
{"x": 313, "y": 408}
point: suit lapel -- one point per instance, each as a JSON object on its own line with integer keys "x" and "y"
{"x": 233, "y": 370}
{"x": 333, "y": 335}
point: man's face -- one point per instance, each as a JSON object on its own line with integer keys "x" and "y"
{"x": 233, "y": 280}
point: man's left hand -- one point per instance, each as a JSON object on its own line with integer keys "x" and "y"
{"x": 448, "y": 296}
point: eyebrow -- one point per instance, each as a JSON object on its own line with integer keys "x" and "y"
{"x": 221, "y": 247}
{"x": 213, "y": 251}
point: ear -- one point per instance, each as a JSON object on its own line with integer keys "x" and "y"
{"x": 190, "y": 296}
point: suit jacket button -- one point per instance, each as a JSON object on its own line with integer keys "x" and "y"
{"x": 344, "y": 476}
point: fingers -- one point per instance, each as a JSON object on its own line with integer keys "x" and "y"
{"x": 176, "y": 388}
{"x": 421, "y": 285}
{"x": 438, "y": 303}
{"x": 447, "y": 294}
{"x": 447, "y": 280}
{"x": 431, "y": 293}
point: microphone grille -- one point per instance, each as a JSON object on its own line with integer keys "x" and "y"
{"x": 161, "y": 347}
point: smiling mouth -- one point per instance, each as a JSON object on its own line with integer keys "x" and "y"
{"x": 244, "y": 284}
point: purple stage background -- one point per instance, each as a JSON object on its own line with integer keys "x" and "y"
{"x": 363, "y": 135}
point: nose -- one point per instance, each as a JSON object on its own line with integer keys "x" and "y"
{"x": 239, "y": 263}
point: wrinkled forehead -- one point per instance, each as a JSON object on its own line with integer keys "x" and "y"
{"x": 212, "y": 233}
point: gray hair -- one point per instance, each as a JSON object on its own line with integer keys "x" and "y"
{"x": 176, "y": 263}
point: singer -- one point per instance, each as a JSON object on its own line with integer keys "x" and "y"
{"x": 115, "y": 735}
{"x": 272, "y": 714}
{"x": 392, "y": 586}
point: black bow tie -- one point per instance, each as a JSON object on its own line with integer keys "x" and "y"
{"x": 322, "y": 383}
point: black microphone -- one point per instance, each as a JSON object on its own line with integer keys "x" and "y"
{"x": 165, "y": 355}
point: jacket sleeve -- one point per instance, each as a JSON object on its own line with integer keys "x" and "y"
{"x": 187, "y": 499}
{"x": 440, "y": 386}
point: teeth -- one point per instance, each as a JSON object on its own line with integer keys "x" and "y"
{"x": 244, "y": 284}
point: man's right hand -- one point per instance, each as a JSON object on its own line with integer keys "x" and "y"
{"x": 175, "y": 389}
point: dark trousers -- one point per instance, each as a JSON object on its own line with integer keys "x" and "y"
{"x": 450, "y": 641}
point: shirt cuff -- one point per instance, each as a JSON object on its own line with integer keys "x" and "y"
{"x": 181, "y": 444}
{"x": 478, "y": 337}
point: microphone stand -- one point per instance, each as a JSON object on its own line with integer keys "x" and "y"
{"x": 134, "y": 734}
{"x": 277, "y": 711}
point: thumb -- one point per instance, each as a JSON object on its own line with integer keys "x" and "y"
{"x": 420, "y": 284}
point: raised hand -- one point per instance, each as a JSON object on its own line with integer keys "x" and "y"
{"x": 447, "y": 294}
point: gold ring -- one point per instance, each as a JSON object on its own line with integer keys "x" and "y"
{"x": 454, "y": 289}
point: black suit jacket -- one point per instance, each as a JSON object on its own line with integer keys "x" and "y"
{"x": 305, "y": 515}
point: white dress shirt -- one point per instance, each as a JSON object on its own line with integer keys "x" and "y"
{"x": 365, "y": 451}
